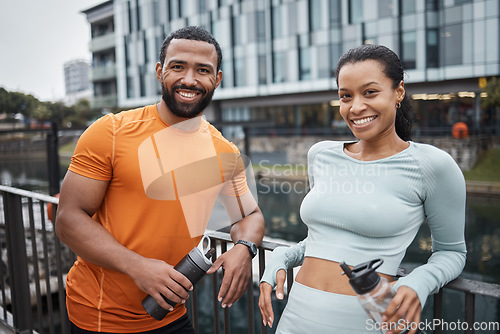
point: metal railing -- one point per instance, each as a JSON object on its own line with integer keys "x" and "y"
{"x": 34, "y": 264}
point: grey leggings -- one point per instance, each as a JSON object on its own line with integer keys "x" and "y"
{"x": 310, "y": 310}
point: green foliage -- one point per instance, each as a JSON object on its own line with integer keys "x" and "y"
{"x": 492, "y": 89}
{"x": 77, "y": 115}
{"x": 486, "y": 167}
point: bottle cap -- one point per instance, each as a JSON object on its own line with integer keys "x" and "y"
{"x": 363, "y": 277}
{"x": 199, "y": 254}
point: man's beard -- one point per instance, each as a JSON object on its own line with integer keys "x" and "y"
{"x": 185, "y": 110}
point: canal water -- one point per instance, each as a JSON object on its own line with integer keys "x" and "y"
{"x": 280, "y": 203}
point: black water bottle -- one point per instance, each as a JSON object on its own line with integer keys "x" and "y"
{"x": 194, "y": 266}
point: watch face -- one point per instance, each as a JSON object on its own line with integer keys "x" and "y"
{"x": 254, "y": 249}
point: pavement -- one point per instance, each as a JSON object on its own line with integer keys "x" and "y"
{"x": 483, "y": 188}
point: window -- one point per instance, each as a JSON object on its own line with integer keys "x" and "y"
{"x": 261, "y": 26}
{"x": 305, "y": 64}
{"x": 145, "y": 46}
{"x": 335, "y": 53}
{"x": 126, "y": 50}
{"x": 451, "y": 45}
{"x": 292, "y": 27}
{"x": 323, "y": 61}
{"x": 202, "y": 6}
{"x": 276, "y": 24}
{"x": 142, "y": 84}
{"x": 409, "y": 51}
{"x": 173, "y": 12}
{"x": 315, "y": 12}
{"x": 221, "y": 30}
{"x": 355, "y": 11}
{"x": 239, "y": 72}
{"x": 335, "y": 13}
{"x": 156, "y": 13}
{"x": 183, "y": 9}
{"x": 237, "y": 35}
{"x": 133, "y": 19}
{"x": 431, "y": 5}
{"x": 262, "y": 70}
{"x": 138, "y": 13}
{"x": 130, "y": 87}
{"x": 432, "y": 46}
{"x": 279, "y": 67}
{"x": 408, "y": 6}
{"x": 384, "y": 8}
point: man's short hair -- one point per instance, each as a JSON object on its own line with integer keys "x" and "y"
{"x": 193, "y": 33}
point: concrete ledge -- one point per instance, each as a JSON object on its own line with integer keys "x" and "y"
{"x": 483, "y": 188}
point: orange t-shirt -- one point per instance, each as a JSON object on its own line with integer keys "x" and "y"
{"x": 163, "y": 183}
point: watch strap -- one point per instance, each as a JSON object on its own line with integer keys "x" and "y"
{"x": 252, "y": 248}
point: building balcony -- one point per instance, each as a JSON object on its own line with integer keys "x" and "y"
{"x": 101, "y": 43}
{"x": 104, "y": 101}
{"x": 102, "y": 73}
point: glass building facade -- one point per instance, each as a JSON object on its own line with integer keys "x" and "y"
{"x": 102, "y": 45}
{"x": 279, "y": 57}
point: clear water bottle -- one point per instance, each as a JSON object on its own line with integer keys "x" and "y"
{"x": 374, "y": 292}
{"x": 194, "y": 266}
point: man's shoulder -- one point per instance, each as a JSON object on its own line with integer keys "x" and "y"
{"x": 219, "y": 140}
{"x": 137, "y": 114}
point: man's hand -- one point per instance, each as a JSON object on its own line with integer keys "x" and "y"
{"x": 158, "y": 278}
{"x": 237, "y": 265}
{"x": 265, "y": 305}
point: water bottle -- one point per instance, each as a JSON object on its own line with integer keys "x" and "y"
{"x": 374, "y": 292}
{"x": 194, "y": 266}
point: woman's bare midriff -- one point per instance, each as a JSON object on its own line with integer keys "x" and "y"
{"x": 327, "y": 276}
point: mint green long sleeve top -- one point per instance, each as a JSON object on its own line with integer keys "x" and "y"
{"x": 358, "y": 211}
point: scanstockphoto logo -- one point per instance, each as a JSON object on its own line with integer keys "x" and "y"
{"x": 329, "y": 179}
{"x": 427, "y": 326}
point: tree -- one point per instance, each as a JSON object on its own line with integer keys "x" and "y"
{"x": 79, "y": 114}
{"x": 41, "y": 113}
{"x": 12, "y": 103}
{"x": 492, "y": 90}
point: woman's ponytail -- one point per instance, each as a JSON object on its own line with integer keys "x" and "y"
{"x": 404, "y": 119}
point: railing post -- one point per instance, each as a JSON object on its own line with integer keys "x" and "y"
{"x": 262, "y": 266}
{"x": 469, "y": 312}
{"x": 438, "y": 310}
{"x": 18, "y": 263}
{"x": 250, "y": 305}
{"x": 226, "y": 316}
{"x": 53, "y": 159}
{"x": 215, "y": 303}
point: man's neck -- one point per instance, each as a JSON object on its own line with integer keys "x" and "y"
{"x": 183, "y": 123}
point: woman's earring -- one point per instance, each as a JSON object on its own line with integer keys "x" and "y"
{"x": 398, "y": 105}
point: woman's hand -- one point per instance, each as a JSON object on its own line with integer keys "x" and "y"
{"x": 265, "y": 305}
{"x": 406, "y": 306}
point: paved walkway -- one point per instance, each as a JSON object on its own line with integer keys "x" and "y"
{"x": 483, "y": 188}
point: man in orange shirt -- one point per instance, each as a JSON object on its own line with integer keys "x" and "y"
{"x": 138, "y": 195}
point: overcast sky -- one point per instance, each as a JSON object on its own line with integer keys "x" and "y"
{"x": 36, "y": 38}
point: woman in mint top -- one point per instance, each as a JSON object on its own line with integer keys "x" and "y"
{"x": 368, "y": 199}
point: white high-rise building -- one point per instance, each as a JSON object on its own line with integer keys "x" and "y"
{"x": 76, "y": 80}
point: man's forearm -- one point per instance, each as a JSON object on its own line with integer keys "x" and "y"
{"x": 250, "y": 228}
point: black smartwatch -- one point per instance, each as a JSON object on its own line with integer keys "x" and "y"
{"x": 252, "y": 248}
